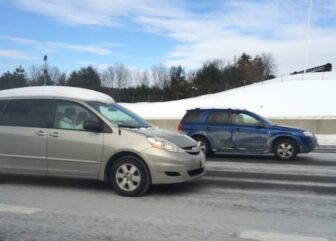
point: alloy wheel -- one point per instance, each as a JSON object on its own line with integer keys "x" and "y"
{"x": 285, "y": 150}
{"x": 128, "y": 177}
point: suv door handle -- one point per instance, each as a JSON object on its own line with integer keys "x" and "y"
{"x": 54, "y": 134}
{"x": 40, "y": 133}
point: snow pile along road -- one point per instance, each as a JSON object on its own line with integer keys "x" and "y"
{"x": 311, "y": 96}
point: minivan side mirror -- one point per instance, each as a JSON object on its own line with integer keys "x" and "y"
{"x": 92, "y": 126}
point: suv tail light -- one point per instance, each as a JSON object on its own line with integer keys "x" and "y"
{"x": 180, "y": 126}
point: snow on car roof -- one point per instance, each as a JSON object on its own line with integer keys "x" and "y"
{"x": 57, "y": 91}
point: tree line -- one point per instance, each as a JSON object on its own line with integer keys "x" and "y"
{"x": 159, "y": 83}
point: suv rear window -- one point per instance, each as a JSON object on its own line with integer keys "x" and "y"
{"x": 192, "y": 117}
{"x": 219, "y": 117}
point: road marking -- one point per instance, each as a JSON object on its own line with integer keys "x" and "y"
{"x": 18, "y": 209}
{"x": 271, "y": 168}
{"x": 270, "y": 236}
{"x": 269, "y": 181}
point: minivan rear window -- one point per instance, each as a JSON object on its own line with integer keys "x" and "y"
{"x": 192, "y": 116}
{"x": 26, "y": 113}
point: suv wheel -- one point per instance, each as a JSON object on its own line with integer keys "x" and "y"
{"x": 203, "y": 145}
{"x": 129, "y": 177}
{"x": 285, "y": 149}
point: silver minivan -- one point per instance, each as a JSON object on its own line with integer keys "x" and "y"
{"x": 74, "y": 132}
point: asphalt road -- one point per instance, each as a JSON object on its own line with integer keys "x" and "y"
{"x": 240, "y": 198}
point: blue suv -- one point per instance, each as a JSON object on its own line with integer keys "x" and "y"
{"x": 237, "y": 131}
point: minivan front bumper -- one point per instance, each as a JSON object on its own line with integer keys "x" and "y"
{"x": 173, "y": 167}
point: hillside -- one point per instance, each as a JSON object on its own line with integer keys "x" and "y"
{"x": 313, "y": 96}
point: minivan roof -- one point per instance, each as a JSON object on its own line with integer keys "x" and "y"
{"x": 57, "y": 91}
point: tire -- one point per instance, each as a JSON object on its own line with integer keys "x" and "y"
{"x": 285, "y": 149}
{"x": 204, "y": 145}
{"x": 129, "y": 176}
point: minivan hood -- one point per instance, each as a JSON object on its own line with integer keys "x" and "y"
{"x": 180, "y": 140}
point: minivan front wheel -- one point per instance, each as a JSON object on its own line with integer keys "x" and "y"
{"x": 285, "y": 149}
{"x": 128, "y": 176}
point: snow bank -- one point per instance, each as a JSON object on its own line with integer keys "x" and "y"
{"x": 293, "y": 96}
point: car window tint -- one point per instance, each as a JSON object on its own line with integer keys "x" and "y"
{"x": 192, "y": 116}
{"x": 26, "y": 113}
{"x": 218, "y": 117}
{"x": 244, "y": 119}
{"x": 70, "y": 115}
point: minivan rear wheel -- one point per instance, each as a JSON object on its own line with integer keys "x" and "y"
{"x": 129, "y": 177}
{"x": 203, "y": 144}
{"x": 285, "y": 149}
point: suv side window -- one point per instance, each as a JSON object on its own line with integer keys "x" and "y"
{"x": 192, "y": 116}
{"x": 244, "y": 119}
{"x": 27, "y": 113}
{"x": 219, "y": 117}
{"x": 71, "y": 116}
{"x": 2, "y": 105}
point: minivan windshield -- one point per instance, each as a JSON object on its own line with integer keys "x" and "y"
{"x": 119, "y": 115}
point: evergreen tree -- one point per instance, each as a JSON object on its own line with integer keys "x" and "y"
{"x": 86, "y": 78}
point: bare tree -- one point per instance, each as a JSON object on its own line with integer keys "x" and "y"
{"x": 122, "y": 75}
{"x": 136, "y": 76}
{"x": 54, "y": 76}
{"x": 160, "y": 75}
{"x": 35, "y": 75}
{"x": 269, "y": 65}
{"x": 51, "y": 76}
{"x": 145, "y": 79}
{"x": 108, "y": 77}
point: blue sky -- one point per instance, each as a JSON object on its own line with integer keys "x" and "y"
{"x": 146, "y": 32}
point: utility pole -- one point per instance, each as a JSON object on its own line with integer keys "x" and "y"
{"x": 45, "y": 59}
{"x": 307, "y": 35}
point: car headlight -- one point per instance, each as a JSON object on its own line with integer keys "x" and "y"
{"x": 163, "y": 144}
{"x": 308, "y": 133}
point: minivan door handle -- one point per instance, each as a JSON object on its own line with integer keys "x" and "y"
{"x": 54, "y": 134}
{"x": 40, "y": 133}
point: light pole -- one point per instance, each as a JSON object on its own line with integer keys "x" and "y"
{"x": 307, "y": 35}
{"x": 193, "y": 88}
{"x": 45, "y": 59}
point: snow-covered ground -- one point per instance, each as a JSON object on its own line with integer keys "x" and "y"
{"x": 296, "y": 96}
{"x": 311, "y": 96}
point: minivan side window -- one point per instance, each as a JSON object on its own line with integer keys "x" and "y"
{"x": 27, "y": 113}
{"x": 244, "y": 119}
{"x": 71, "y": 116}
{"x": 219, "y": 117}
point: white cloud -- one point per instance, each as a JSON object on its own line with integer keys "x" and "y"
{"x": 97, "y": 12}
{"x": 15, "y": 54}
{"x": 214, "y": 30}
{"x": 52, "y": 46}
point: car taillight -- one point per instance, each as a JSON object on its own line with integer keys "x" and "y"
{"x": 180, "y": 126}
